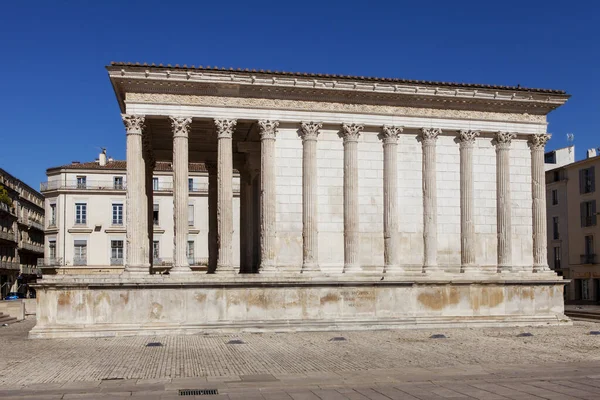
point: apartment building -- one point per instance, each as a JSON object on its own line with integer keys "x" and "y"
{"x": 573, "y": 232}
{"x": 21, "y": 233}
{"x": 86, "y": 224}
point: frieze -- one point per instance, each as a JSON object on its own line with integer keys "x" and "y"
{"x": 303, "y": 105}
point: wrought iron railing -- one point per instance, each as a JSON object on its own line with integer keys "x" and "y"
{"x": 116, "y": 261}
{"x": 88, "y": 185}
{"x": 79, "y": 261}
{"x": 588, "y": 259}
{"x": 588, "y": 220}
{"x": 49, "y": 262}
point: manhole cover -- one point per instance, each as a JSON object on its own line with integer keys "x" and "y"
{"x": 236, "y": 341}
{"x": 337, "y": 339}
{"x": 525, "y": 334}
{"x": 198, "y": 392}
{"x": 154, "y": 344}
{"x": 438, "y": 336}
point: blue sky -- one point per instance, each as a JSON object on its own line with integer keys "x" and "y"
{"x": 57, "y": 105}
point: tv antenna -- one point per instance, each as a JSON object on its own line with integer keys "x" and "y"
{"x": 570, "y": 138}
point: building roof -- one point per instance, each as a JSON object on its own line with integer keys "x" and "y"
{"x": 121, "y": 165}
{"x": 21, "y": 183}
{"x": 350, "y": 77}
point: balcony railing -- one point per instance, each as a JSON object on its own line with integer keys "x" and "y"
{"x": 588, "y": 221}
{"x": 39, "y": 248}
{"x": 7, "y": 236}
{"x": 36, "y": 224}
{"x": 588, "y": 259}
{"x": 49, "y": 262}
{"x": 198, "y": 261}
{"x": 30, "y": 270}
{"x": 9, "y": 265}
{"x": 79, "y": 261}
{"x": 116, "y": 261}
{"x": 167, "y": 262}
{"x": 74, "y": 185}
{"x": 6, "y": 208}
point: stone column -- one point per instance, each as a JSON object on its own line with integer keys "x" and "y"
{"x": 351, "y": 133}
{"x": 225, "y": 130}
{"x": 503, "y": 206}
{"x": 181, "y": 128}
{"x": 309, "y": 132}
{"x": 429, "y": 138}
{"x": 538, "y": 192}
{"x": 213, "y": 245}
{"x": 251, "y": 171}
{"x": 268, "y": 234}
{"x": 389, "y": 136}
{"x": 136, "y": 218}
{"x": 467, "y": 219}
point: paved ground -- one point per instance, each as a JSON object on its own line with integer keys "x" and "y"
{"x": 554, "y": 363}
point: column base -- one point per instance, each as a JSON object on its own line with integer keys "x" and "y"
{"x": 310, "y": 268}
{"x": 136, "y": 270}
{"x": 469, "y": 269}
{"x": 433, "y": 269}
{"x": 226, "y": 270}
{"x": 541, "y": 268}
{"x": 393, "y": 269}
{"x": 265, "y": 268}
{"x": 181, "y": 270}
{"x": 505, "y": 268}
{"x": 352, "y": 269}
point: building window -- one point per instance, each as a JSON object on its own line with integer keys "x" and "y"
{"x": 156, "y": 250}
{"x": 117, "y": 214}
{"x": 557, "y": 257}
{"x": 80, "y": 213}
{"x": 81, "y": 182}
{"x": 554, "y": 197}
{"x": 80, "y": 256}
{"x": 190, "y": 215}
{"x": 588, "y": 257}
{"x": 118, "y": 182}
{"x": 52, "y": 221}
{"x": 116, "y": 252}
{"x": 154, "y": 183}
{"x": 585, "y": 289}
{"x": 155, "y": 215}
{"x": 588, "y": 213}
{"x": 555, "y": 234}
{"x": 587, "y": 182}
{"x": 52, "y": 249}
{"x": 191, "y": 184}
{"x": 190, "y": 251}
{"x": 550, "y": 157}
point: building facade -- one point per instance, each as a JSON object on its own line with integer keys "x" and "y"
{"x": 21, "y": 234}
{"x": 364, "y": 203}
{"x": 573, "y": 220}
{"x": 86, "y": 230}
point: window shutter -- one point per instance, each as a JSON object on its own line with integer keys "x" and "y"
{"x": 582, "y": 213}
{"x": 592, "y": 176}
{"x": 593, "y": 216}
{"x": 581, "y": 181}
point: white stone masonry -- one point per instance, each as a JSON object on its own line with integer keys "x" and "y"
{"x": 538, "y": 192}
{"x": 389, "y": 136}
{"x": 429, "y": 138}
{"x": 268, "y": 200}
{"x": 467, "y": 218}
{"x": 503, "y": 203}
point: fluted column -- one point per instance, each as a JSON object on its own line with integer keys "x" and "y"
{"x": 137, "y": 220}
{"x": 503, "y": 206}
{"x": 538, "y": 192}
{"x": 309, "y": 132}
{"x": 428, "y": 140}
{"x": 351, "y": 133}
{"x": 389, "y": 136}
{"x": 225, "y": 130}
{"x": 251, "y": 170}
{"x": 467, "y": 219}
{"x": 213, "y": 245}
{"x": 268, "y": 233}
{"x": 181, "y": 128}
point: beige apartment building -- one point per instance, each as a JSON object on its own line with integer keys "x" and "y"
{"x": 21, "y": 233}
{"x": 573, "y": 232}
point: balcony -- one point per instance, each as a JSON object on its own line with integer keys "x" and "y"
{"x": 10, "y": 236}
{"x": 36, "y": 225}
{"x": 5, "y": 264}
{"x": 116, "y": 261}
{"x": 79, "y": 261}
{"x": 35, "y": 247}
{"x": 30, "y": 270}
{"x": 588, "y": 221}
{"x": 88, "y": 185}
{"x": 588, "y": 259}
{"x": 6, "y": 208}
{"x": 49, "y": 262}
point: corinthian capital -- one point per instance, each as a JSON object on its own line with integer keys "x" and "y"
{"x": 538, "y": 141}
{"x": 268, "y": 129}
{"x": 225, "y": 127}
{"x": 430, "y": 135}
{"x": 181, "y": 126}
{"x": 310, "y": 130}
{"x": 351, "y": 132}
{"x": 134, "y": 124}
{"x": 503, "y": 139}
{"x": 389, "y": 134}
{"x": 467, "y": 138}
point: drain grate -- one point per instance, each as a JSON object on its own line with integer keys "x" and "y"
{"x": 337, "y": 339}
{"x": 526, "y": 334}
{"x": 594, "y": 332}
{"x": 154, "y": 344}
{"x": 236, "y": 341}
{"x": 198, "y": 392}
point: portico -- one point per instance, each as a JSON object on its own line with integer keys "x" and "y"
{"x": 363, "y": 202}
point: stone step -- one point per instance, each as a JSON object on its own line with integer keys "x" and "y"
{"x": 6, "y": 319}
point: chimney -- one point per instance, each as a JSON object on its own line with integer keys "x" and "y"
{"x": 591, "y": 153}
{"x": 102, "y": 158}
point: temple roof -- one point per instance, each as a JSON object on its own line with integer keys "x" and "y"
{"x": 335, "y": 76}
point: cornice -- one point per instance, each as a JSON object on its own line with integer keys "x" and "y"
{"x": 247, "y": 84}
{"x": 322, "y": 106}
